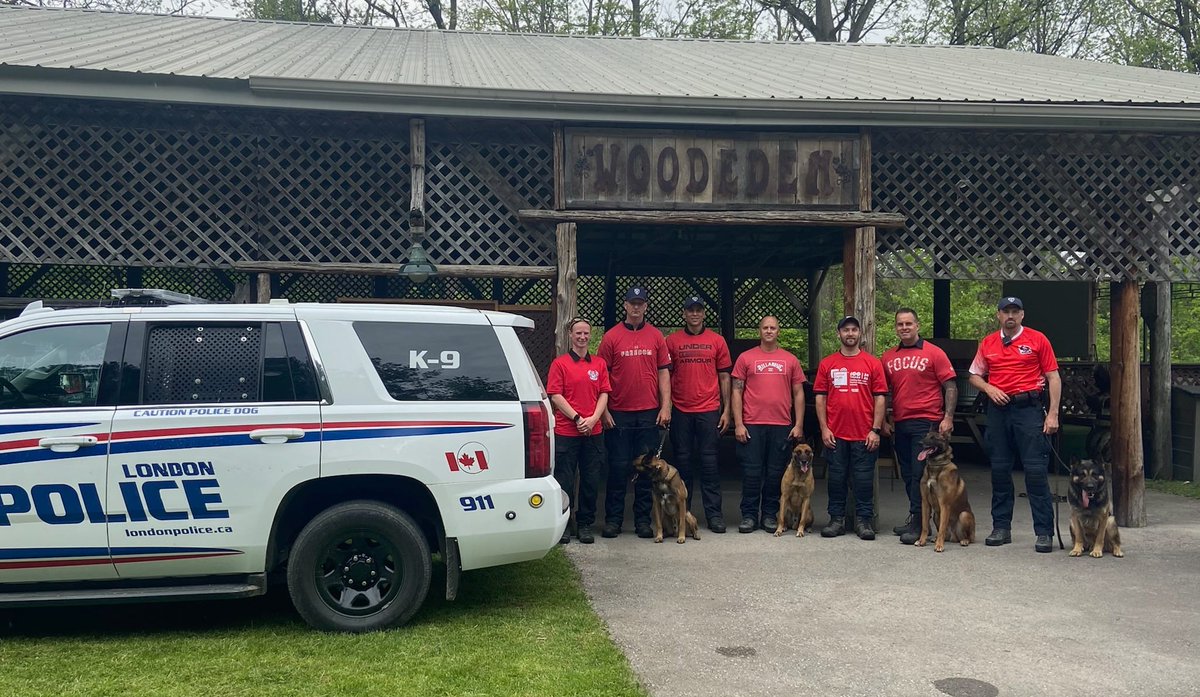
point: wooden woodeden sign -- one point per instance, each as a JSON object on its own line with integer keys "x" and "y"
{"x": 663, "y": 169}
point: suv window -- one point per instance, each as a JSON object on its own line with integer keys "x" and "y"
{"x": 439, "y": 362}
{"x": 203, "y": 362}
{"x": 52, "y": 366}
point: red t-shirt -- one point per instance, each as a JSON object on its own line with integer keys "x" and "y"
{"x": 634, "y": 357}
{"x": 580, "y": 381}
{"x": 850, "y": 384}
{"x": 915, "y": 375}
{"x": 695, "y": 361}
{"x": 1019, "y": 367}
{"x": 769, "y": 378}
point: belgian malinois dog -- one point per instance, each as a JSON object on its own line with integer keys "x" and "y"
{"x": 943, "y": 495}
{"x": 795, "y": 492}
{"x": 669, "y": 499}
{"x": 1092, "y": 521}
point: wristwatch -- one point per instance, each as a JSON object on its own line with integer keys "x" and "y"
{"x": 876, "y": 430}
{"x": 578, "y": 418}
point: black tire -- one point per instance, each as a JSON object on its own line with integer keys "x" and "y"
{"x": 359, "y": 566}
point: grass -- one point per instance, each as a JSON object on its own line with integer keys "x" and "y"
{"x": 1188, "y": 489}
{"x": 524, "y": 629}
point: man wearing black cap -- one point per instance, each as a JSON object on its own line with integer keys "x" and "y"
{"x": 639, "y": 405}
{"x": 1016, "y": 368}
{"x": 851, "y": 394}
{"x": 700, "y": 366}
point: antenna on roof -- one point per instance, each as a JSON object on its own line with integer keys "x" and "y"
{"x": 142, "y": 297}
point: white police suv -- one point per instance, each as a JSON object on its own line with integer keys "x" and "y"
{"x": 199, "y": 450}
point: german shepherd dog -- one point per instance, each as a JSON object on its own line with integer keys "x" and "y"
{"x": 1092, "y": 521}
{"x": 669, "y": 499}
{"x": 795, "y": 492}
{"x": 943, "y": 495}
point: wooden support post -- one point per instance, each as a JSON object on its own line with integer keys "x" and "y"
{"x": 858, "y": 255}
{"x": 568, "y": 279}
{"x": 1160, "y": 383}
{"x": 814, "y": 319}
{"x": 416, "y": 163}
{"x": 610, "y": 294}
{"x": 728, "y": 303}
{"x": 264, "y": 287}
{"x": 1128, "y": 476}
{"x": 941, "y": 308}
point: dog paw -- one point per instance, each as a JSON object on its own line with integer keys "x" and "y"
{"x": 964, "y": 543}
{"x": 800, "y": 532}
{"x": 1095, "y": 554}
{"x": 1118, "y": 553}
{"x": 681, "y": 540}
{"x": 920, "y": 542}
{"x": 1075, "y": 553}
{"x": 939, "y": 548}
{"x": 658, "y": 539}
{"x": 779, "y": 532}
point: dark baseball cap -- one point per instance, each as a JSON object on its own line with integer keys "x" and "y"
{"x": 638, "y": 293}
{"x": 692, "y": 301}
{"x": 1010, "y": 300}
{"x": 849, "y": 319}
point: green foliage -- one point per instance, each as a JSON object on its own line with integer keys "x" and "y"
{"x": 525, "y": 629}
{"x": 287, "y": 10}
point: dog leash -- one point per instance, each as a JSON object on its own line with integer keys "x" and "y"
{"x": 662, "y": 442}
{"x": 1057, "y": 497}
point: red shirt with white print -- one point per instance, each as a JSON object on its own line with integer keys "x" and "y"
{"x": 580, "y": 381}
{"x": 1019, "y": 366}
{"x": 769, "y": 378}
{"x": 634, "y": 357}
{"x": 695, "y": 361}
{"x": 915, "y": 375}
{"x": 850, "y": 385}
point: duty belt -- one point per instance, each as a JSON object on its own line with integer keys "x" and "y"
{"x": 1025, "y": 399}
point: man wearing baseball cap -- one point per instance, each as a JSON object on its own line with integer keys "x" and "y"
{"x": 700, "y": 366}
{"x": 1016, "y": 368}
{"x": 639, "y": 405}
{"x": 851, "y": 394}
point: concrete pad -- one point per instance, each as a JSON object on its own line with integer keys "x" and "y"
{"x": 751, "y": 614}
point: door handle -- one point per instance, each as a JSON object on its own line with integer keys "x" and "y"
{"x": 276, "y": 435}
{"x": 67, "y": 444}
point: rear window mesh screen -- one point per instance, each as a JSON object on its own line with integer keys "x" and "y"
{"x": 203, "y": 363}
{"x": 438, "y": 362}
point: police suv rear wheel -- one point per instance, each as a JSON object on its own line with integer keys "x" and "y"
{"x": 359, "y": 566}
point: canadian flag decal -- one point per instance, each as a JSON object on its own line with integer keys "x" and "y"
{"x": 471, "y": 458}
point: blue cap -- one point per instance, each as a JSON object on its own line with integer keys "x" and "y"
{"x": 638, "y": 293}
{"x": 849, "y": 319}
{"x": 1010, "y": 301}
{"x": 693, "y": 301}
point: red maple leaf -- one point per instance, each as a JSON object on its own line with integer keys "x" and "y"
{"x": 466, "y": 460}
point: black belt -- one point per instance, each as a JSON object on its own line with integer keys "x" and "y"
{"x": 1025, "y": 399}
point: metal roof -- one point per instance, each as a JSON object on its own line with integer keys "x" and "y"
{"x": 253, "y": 62}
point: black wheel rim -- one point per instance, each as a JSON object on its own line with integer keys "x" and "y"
{"x": 359, "y": 573}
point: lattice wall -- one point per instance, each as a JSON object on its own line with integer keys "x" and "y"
{"x": 753, "y": 299}
{"x": 154, "y": 186}
{"x": 1003, "y": 205}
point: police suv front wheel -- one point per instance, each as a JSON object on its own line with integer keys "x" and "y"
{"x": 359, "y": 566}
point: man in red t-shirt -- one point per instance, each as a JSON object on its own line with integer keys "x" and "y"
{"x": 700, "y": 368}
{"x": 1016, "y": 369}
{"x": 638, "y": 408}
{"x": 768, "y": 412}
{"x": 851, "y": 395}
{"x": 923, "y": 394}
{"x": 578, "y": 387}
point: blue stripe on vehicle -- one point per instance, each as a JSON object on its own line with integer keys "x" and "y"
{"x": 235, "y": 439}
{"x": 64, "y": 552}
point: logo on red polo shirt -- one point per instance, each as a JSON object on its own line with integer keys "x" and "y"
{"x": 769, "y": 367}
{"x": 1024, "y": 350}
{"x": 593, "y": 375}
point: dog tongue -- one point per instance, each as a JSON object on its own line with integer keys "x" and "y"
{"x": 924, "y": 453}
{"x": 1086, "y": 499}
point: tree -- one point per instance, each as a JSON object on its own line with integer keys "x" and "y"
{"x": 1056, "y": 27}
{"x": 1162, "y": 34}
{"x": 172, "y": 7}
{"x": 820, "y": 20}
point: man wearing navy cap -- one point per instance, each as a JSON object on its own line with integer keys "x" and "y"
{"x": 700, "y": 365}
{"x": 639, "y": 405}
{"x": 1016, "y": 368}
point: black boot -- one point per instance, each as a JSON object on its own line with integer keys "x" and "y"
{"x": 836, "y": 527}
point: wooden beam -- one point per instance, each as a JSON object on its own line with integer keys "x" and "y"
{"x": 941, "y": 308}
{"x": 263, "y": 293}
{"x": 1128, "y": 474}
{"x": 560, "y": 156}
{"x": 1160, "y": 382}
{"x": 568, "y": 279}
{"x": 859, "y": 251}
{"x": 416, "y": 164}
{"x": 816, "y": 278}
{"x": 446, "y": 270}
{"x": 782, "y": 218}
